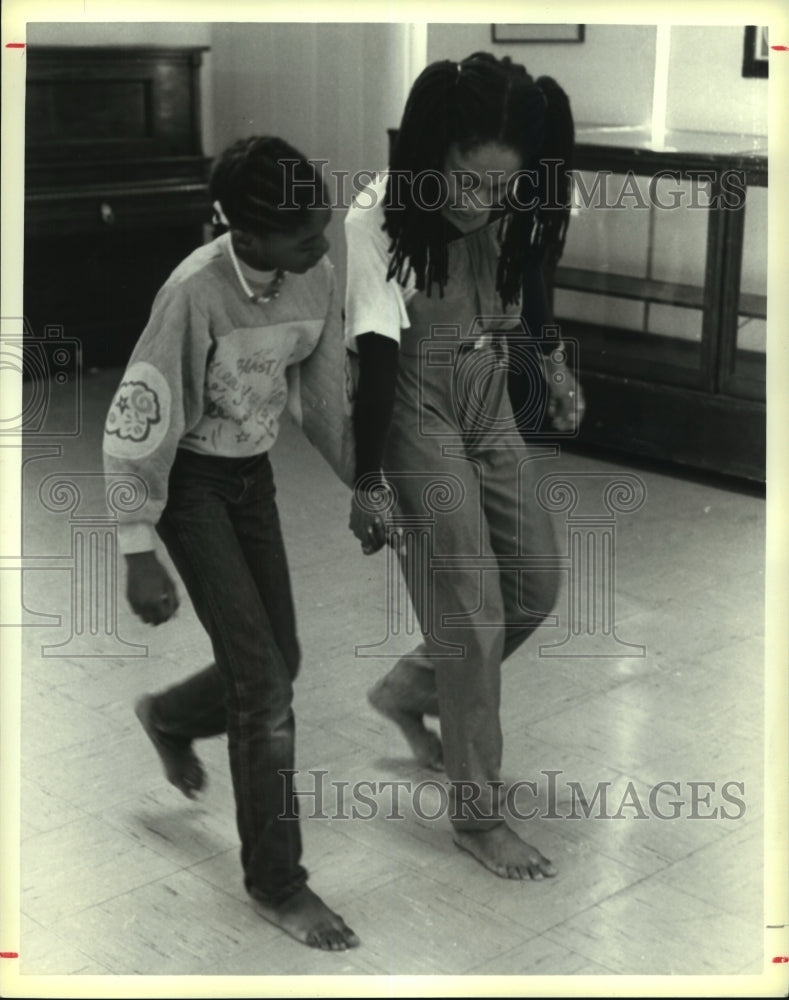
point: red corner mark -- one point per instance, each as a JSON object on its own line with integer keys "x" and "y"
{"x": 14, "y": 45}
{"x": 781, "y": 958}
{"x": 9, "y": 954}
{"x": 780, "y": 48}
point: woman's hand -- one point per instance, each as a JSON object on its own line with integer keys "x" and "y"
{"x": 565, "y": 398}
{"x": 370, "y": 520}
{"x": 149, "y": 589}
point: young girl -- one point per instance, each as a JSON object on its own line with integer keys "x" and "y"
{"x": 194, "y": 418}
{"x": 437, "y": 254}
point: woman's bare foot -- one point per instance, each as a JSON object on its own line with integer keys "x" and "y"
{"x": 502, "y": 851}
{"x": 308, "y": 919}
{"x": 181, "y": 767}
{"x": 424, "y": 743}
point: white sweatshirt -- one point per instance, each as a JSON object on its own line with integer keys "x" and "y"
{"x": 210, "y": 373}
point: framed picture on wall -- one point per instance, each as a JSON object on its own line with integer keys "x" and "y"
{"x": 755, "y": 51}
{"x": 509, "y": 33}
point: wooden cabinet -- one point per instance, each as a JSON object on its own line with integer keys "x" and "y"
{"x": 663, "y": 285}
{"x": 115, "y": 188}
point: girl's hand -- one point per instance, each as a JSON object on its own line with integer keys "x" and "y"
{"x": 149, "y": 589}
{"x": 370, "y": 519}
{"x": 565, "y": 398}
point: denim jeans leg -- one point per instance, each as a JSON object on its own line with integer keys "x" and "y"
{"x": 221, "y": 528}
{"x": 194, "y": 708}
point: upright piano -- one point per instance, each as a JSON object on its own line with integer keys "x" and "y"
{"x": 115, "y": 189}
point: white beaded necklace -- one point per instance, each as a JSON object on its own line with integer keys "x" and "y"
{"x": 271, "y": 291}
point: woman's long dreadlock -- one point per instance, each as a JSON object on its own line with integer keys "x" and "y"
{"x": 478, "y": 101}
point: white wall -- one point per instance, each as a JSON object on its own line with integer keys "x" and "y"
{"x": 706, "y": 89}
{"x": 331, "y": 90}
{"x": 608, "y": 77}
{"x": 119, "y": 33}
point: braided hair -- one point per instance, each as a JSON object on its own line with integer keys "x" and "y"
{"x": 478, "y": 101}
{"x": 262, "y": 184}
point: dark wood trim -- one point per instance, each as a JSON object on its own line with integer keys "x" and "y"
{"x": 730, "y": 294}
{"x": 76, "y": 174}
{"x": 580, "y": 37}
{"x": 140, "y": 103}
{"x": 753, "y": 305}
{"x": 621, "y": 159}
{"x": 713, "y": 282}
{"x": 626, "y": 353}
{"x": 626, "y": 286}
{"x": 64, "y": 54}
{"x": 751, "y": 66}
{"x": 196, "y": 59}
{"x": 698, "y": 429}
{"x": 104, "y": 210}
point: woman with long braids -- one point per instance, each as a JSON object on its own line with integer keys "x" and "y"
{"x": 473, "y": 209}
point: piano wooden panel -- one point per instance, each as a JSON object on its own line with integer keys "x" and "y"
{"x": 116, "y": 192}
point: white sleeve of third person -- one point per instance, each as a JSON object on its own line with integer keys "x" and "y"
{"x": 372, "y": 304}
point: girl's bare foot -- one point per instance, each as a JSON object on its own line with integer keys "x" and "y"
{"x": 424, "y": 743}
{"x": 181, "y": 767}
{"x": 502, "y": 851}
{"x": 308, "y": 919}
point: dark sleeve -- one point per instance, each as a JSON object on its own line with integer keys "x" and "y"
{"x": 536, "y": 310}
{"x": 529, "y": 395}
{"x": 375, "y": 392}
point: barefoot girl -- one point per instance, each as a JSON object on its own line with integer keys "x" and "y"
{"x": 438, "y": 250}
{"x": 194, "y": 418}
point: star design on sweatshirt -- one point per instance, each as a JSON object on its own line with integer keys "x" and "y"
{"x": 242, "y": 436}
{"x": 137, "y": 409}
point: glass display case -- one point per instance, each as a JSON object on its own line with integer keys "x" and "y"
{"x": 663, "y": 285}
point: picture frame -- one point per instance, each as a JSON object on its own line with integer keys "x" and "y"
{"x": 756, "y": 51}
{"x": 537, "y": 33}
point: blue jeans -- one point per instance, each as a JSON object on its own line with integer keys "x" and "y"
{"x": 221, "y": 528}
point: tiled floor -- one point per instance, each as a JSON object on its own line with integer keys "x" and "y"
{"x": 121, "y": 875}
